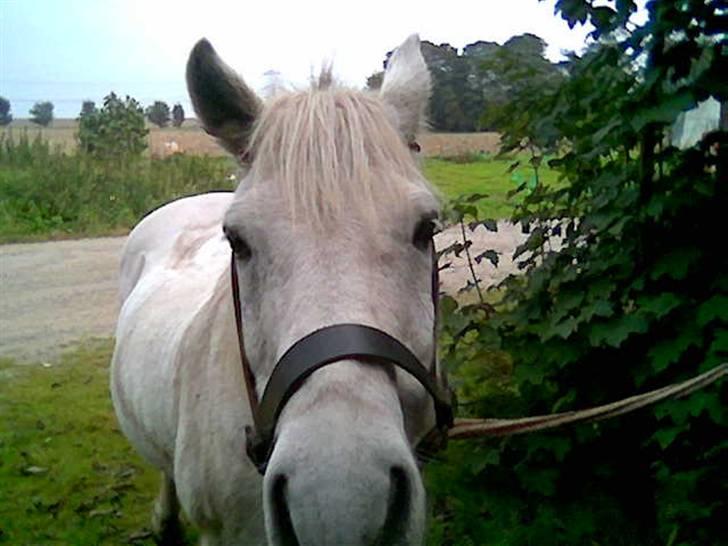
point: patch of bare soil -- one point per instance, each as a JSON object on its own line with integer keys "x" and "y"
{"x": 56, "y": 293}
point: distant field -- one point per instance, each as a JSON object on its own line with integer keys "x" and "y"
{"x": 191, "y": 139}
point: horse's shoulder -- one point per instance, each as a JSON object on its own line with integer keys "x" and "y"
{"x": 172, "y": 236}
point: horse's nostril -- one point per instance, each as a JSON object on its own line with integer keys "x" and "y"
{"x": 284, "y": 525}
{"x": 400, "y": 493}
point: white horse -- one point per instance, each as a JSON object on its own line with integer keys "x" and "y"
{"x": 331, "y": 224}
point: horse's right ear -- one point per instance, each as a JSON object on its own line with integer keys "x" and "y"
{"x": 226, "y": 106}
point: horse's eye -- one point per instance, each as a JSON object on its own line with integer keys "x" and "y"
{"x": 424, "y": 231}
{"x": 237, "y": 243}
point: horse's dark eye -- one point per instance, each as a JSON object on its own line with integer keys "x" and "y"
{"x": 237, "y": 243}
{"x": 423, "y": 233}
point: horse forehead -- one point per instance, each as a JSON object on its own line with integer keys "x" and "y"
{"x": 262, "y": 205}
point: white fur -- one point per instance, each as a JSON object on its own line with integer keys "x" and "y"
{"x": 177, "y": 384}
{"x": 406, "y": 86}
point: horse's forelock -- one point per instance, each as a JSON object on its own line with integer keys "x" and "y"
{"x": 332, "y": 150}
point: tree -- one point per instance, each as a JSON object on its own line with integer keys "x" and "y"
{"x": 521, "y": 79}
{"x": 42, "y": 113}
{"x": 5, "y": 116}
{"x": 115, "y": 130}
{"x": 178, "y": 115}
{"x": 465, "y": 84}
{"x": 635, "y": 297}
{"x": 158, "y": 113}
{"x": 88, "y": 107}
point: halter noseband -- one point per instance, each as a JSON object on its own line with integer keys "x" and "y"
{"x": 321, "y": 348}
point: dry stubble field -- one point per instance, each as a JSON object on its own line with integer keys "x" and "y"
{"x": 191, "y": 139}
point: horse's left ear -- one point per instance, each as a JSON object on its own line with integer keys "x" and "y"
{"x": 225, "y": 105}
{"x": 406, "y": 87}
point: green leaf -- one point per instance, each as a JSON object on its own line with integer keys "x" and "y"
{"x": 675, "y": 264}
{"x": 490, "y": 255}
{"x": 556, "y": 444}
{"x": 716, "y": 308}
{"x": 670, "y": 349}
{"x": 598, "y": 308}
{"x": 491, "y": 457}
{"x": 473, "y": 197}
{"x": 563, "y": 329}
{"x": 542, "y": 481}
{"x": 666, "y": 111}
{"x": 720, "y": 342}
{"x": 666, "y": 436}
{"x": 659, "y": 305}
{"x": 614, "y": 332}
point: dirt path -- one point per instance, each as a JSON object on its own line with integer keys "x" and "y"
{"x": 54, "y": 294}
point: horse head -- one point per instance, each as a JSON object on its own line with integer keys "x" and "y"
{"x": 332, "y": 224}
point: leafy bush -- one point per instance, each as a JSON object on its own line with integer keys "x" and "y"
{"x": 42, "y": 113}
{"x": 637, "y": 297}
{"x": 44, "y": 192}
{"x": 115, "y": 131}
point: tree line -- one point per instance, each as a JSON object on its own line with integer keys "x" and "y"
{"x": 41, "y": 113}
{"x": 469, "y": 89}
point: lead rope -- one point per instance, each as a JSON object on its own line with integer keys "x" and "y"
{"x": 479, "y": 428}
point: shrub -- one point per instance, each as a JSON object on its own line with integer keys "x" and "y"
{"x": 635, "y": 298}
{"x": 116, "y": 130}
{"x": 45, "y": 192}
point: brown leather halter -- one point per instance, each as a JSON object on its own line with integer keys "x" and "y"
{"x": 327, "y": 346}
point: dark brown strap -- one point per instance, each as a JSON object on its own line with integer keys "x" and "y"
{"x": 329, "y": 345}
{"x": 247, "y": 370}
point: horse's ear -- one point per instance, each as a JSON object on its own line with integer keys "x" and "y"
{"x": 406, "y": 87}
{"x": 226, "y": 106}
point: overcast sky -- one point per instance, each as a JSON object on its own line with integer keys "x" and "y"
{"x": 69, "y": 50}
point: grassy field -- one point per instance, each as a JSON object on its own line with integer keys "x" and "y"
{"x": 68, "y": 475}
{"x": 482, "y": 174}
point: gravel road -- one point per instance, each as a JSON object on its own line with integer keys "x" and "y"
{"x": 55, "y": 294}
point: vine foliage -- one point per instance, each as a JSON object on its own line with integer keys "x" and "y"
{"x": 636, "y": 297}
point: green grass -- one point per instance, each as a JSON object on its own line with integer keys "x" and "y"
{"x": 486, "y": 175}
{"x": 47, "y": 194}
{"x": 67, "y": 474}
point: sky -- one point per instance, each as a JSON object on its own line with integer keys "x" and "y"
{"x": 66, "y": 51}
